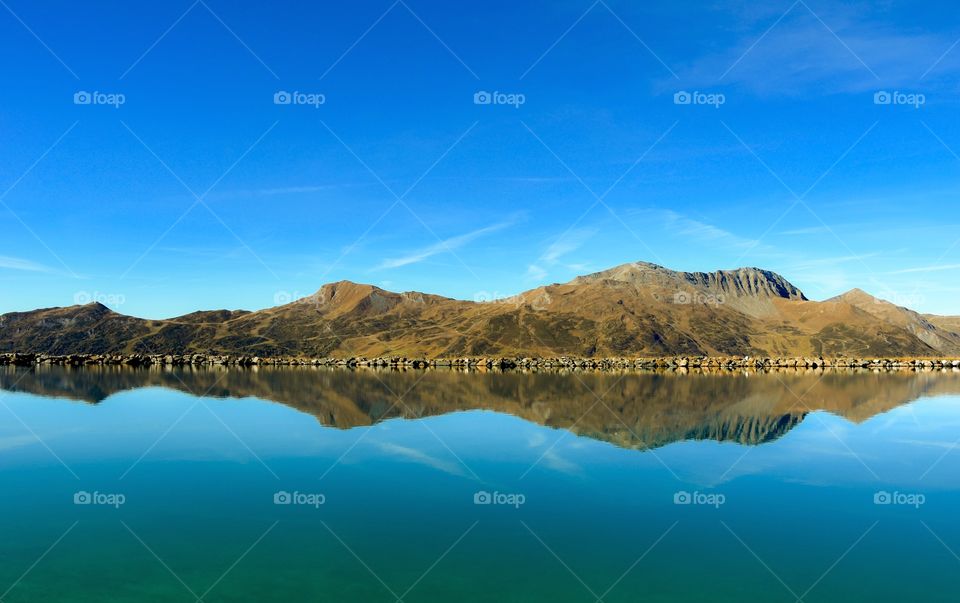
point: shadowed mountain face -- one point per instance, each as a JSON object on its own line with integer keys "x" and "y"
{"x": 632, "y": 410}
{"x": 637, "y": 309}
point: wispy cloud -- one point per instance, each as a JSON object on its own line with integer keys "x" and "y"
{"x": 826, "y": 276}
{"x": 938, "y": 268}
{"x": 837, "y": 49}
{"x": 421, "y": 458}
{"x": 536, "y": 273}
{"x": 553, "y": 460}
{"x": 216, "y": 253}
{"x": 806, "y": 231}
{"x": 271, "y": 192}
{"x": 291, "y": 190}
{"x": 14, "y": 442}
{"x": 808, "y": 264}
{"x": 11, "y": 263}
{"x": 697, "y": 231}
{"x": 707, "y": 232}
{"x": 567, "y": 243}
{"x": 445, "y": 246}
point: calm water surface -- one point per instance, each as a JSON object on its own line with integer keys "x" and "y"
{"x": 303, "y": 484}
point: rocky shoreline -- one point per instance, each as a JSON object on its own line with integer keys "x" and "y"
{"x": 496, "y": 363}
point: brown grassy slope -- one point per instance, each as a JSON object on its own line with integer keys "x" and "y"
{"x": 943, "y": 338}
{"x": 632, "y": 310}
{"x": 947, "y": 323}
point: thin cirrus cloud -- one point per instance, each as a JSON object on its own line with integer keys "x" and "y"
{"x": 11, "y": 263}
{"x": 567, "y": 243}
{"x": 448, "y": 245}
{"x": 421, "y": 458}
{"x": 938, "y": 268}
{"x": 812, "y": 230}
{"x": 275, "y": 191}
{"x": 817, "y": 263}
{"x": 836, "y": 51}
{"x": 690, "y": 229}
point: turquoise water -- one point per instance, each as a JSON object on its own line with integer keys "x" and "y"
{"x": 783, "y": 475}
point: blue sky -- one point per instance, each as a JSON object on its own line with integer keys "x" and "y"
{"x": 199, "y": 191}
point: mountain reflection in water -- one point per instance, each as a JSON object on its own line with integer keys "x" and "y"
{"x": 630, "y": 410}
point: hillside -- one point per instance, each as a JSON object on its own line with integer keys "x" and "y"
{"x": 636, "y": 309}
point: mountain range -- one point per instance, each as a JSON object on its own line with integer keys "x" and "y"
{"x": 636, "y": 309}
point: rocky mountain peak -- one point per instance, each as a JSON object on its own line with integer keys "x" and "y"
{"x": 741, "y": 282}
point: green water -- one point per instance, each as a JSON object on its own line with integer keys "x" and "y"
{"x": 781, "y": 471}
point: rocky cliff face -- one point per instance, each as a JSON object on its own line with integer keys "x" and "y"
{"x": 743, "y": 282}
{"x": 751, "y": 291}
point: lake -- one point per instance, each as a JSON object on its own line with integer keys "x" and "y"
{"x": 297, "y": 484}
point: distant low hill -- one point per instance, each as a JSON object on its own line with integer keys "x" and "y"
{"x": 637, "y": 309}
